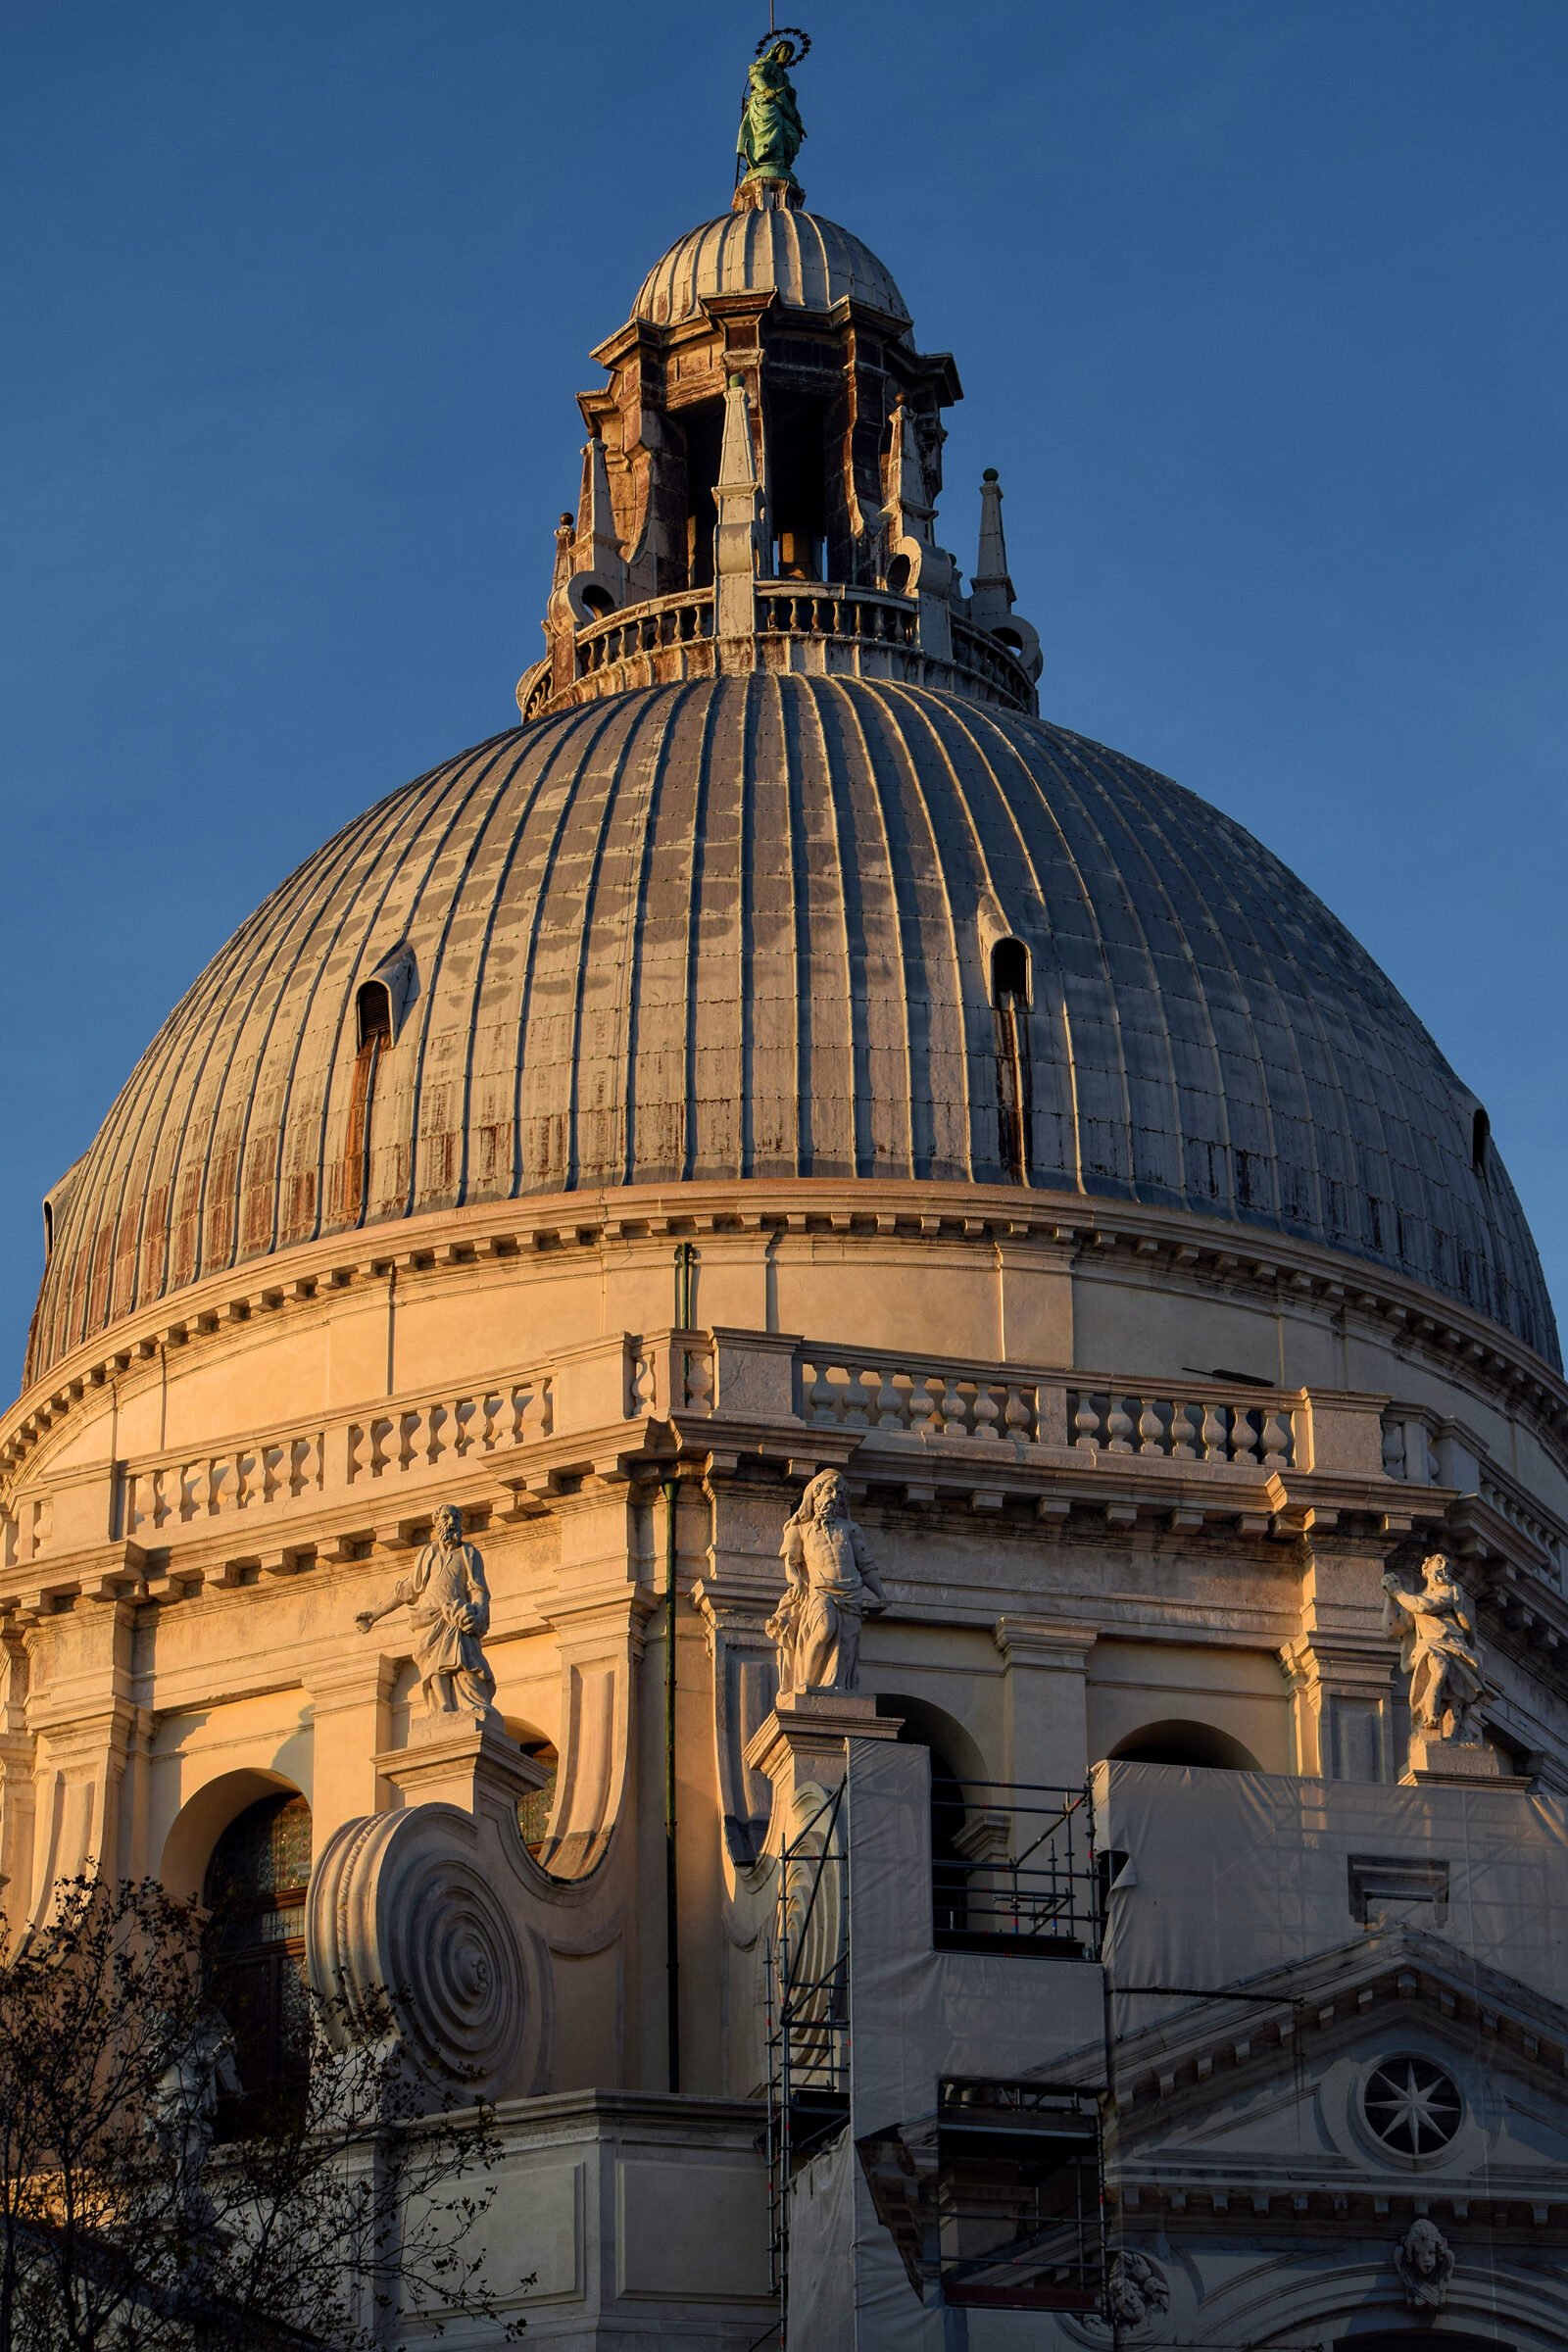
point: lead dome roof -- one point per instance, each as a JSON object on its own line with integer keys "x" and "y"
{"x": 739, "y": 928}
{"x": 810, "y": 263}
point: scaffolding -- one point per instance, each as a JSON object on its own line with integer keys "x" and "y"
{"x": 1005, "y": 2177}
{"x": 1013, "y": 1862}
{"x": 806, "y": 1980}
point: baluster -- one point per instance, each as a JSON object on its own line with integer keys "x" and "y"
{"x": 1244, "y": 1434}
{"x": 135, "y": 1497}
{"x": 163, "y": 1504}
{"x": 852, "y": 1410}
{"x": 697, "y": 1379}
{"x": 380, "y": 1445}
{"x": 1214, "y": 1446}
{"x": 1120, "y": 1427}
{"x": 1276, "y": 1439}
{"x": 463, "y": 1413}
{"x": 547, "y": 1405}
{"x": 951, "y": 1412}
{"x": 524, "y": 1415}
{"x": 924, "y": 1403}
{"x": 244, "y": 1479}
{"x": 309, "y": 1464}
{"x": 436, "y": 1420}
{"x": 190, "y": 1479}
{"x": 490, "y": 1407}
{"x": 895, "y": 1412}
{"x": 1186, "y": 1432}
{"x": 987, "y": 1413}
{"x": 819, "y": 1408}
{"x": 1150, "y": 1430}
{"x": 1086, "y": 1421}
{"x": 1022, "y": 1416}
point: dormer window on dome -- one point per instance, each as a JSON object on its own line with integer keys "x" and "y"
{"x": 763, "y": 469}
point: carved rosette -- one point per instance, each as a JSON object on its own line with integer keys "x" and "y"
{"x": 401, "y": 1905}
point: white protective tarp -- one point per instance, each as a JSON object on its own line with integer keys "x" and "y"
{"x": 1236, "y": 1875}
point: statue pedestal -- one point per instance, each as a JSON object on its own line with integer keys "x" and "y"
{"x": 802, "y": 1742}
{"x": 1444, "y": 1760}
{"x": 465, "y": 1760}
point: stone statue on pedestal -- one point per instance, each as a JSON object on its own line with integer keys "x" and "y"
{"x": 831, "y": 1585}
{"x": 449, "y": 1604}
{"x": 1438, "y": 1652}
{"x": 771, "y": 131}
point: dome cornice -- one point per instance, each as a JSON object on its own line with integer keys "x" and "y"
{"x": 1198, "y": 1256}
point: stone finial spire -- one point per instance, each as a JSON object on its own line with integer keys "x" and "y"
{"x": 736, "y": 539}
{"x": 991, "y": 597}
{"x": 992, "y": 593}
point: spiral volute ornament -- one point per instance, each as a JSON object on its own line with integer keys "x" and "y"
{"x": 402, "y": 1908}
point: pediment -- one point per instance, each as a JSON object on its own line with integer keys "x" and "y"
{"x": 1202, "y": 2052}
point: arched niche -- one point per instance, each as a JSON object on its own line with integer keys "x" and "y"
{"x": 203, "y": 1818}
{"x": 1177, "y": 1740}
{"x": 958, "y": 1778}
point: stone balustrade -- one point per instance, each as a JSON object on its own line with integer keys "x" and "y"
{"x": 597, "y": 1402}
{"x": 798, "y": 624}
{"x": 894, "y": 1392}
{"x": 1257, "y": 1433}
{"x": 161, "y": 1496}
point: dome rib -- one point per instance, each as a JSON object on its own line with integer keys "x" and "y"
{"x": 810, "y": 263}
{"x": 732, "y": 928}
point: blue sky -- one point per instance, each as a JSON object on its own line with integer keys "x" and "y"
{"x": 1260, "y": 310}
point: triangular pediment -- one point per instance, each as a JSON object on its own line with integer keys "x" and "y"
{"x": 1199, "y": 2051}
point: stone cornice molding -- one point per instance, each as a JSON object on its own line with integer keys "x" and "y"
{"x": 1169, "y": 1247}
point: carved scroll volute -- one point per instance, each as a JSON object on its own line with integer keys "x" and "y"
{"x": 410, "y": 1907}
{"x": 598, "y": 1615}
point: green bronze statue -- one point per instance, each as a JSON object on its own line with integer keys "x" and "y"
{"x": 770, "y": 133}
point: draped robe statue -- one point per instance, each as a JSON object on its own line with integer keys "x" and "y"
{"x": 1437, "y": 1650}
{"x": 449, "y": 1605}
{"x": 830, "y": 1585}
{"x": 771, "y": 131}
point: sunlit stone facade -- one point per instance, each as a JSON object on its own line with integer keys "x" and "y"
{"x": 787, "y": 1051}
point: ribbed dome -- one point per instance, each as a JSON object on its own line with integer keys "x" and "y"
{"x": 810, "y": 263}
{"x": 741, "y": 928}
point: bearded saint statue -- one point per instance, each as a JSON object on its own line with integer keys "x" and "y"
{"x": 830, "y": 1584}
{"x": 1437, "y": 1650}
{"x": 449, "y": 1605}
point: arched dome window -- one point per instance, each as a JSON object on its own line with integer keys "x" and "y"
{"x": 255, "y": 1883}
{"x": 1009, "y": 1010}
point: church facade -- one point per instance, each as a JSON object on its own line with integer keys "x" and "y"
{"x": 822, "y": 1415}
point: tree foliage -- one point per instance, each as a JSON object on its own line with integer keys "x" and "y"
{"x": 346, "y": 2207}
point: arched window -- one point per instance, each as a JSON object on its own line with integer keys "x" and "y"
{"x": 1009, "y": 1012}
{"x": 373, "y": 1005}
{"x": 1182, "y": 1742}
{"x": 255, "y": 1883}
{"x": 373, "y": 1013}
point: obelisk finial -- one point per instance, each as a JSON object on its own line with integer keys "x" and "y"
{"x": 771, "y": 131}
